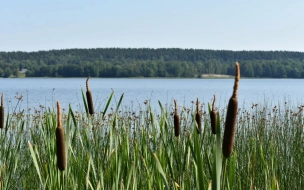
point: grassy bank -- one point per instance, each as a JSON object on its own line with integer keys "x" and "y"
{"x": 121, "y": 148}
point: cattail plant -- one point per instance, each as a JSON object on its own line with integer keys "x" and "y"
{"x": 2, "y": 112}
{"x": 213, "y": 117}
{"x": 228, "y": 140}
{"x": 176, "y": 120}
{"x": 198, "y": 117}
{"x": 61, "y": 156}
{"x": 89, "y": 98}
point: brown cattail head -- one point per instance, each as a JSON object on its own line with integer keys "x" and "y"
{"x": 213, "y": 118}
{"x": 198, "y": 117}
{"x": 176, "y": 120}
{"x": 228, "y": 140}
{"x": 2, "y": 112}
{"x": 89, "y": 98}
{"x": 60, "y": 142}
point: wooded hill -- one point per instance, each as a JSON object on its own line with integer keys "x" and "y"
{"x": 146, "y": 62}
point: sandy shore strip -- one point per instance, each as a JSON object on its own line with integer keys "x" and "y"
{"x": 216, "y": 76}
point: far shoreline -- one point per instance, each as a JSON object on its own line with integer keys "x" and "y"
{"x": 203, "y": 76}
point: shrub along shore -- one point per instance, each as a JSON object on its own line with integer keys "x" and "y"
{"x": 200, "y": 147}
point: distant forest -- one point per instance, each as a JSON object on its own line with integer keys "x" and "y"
{"x": 146, "y": 62}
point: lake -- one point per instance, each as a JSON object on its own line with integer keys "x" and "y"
{"x": 38, "y": 92}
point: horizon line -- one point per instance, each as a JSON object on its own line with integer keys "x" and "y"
{"x": 34, "y": 51}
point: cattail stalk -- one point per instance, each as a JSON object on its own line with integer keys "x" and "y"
{"x": 198, "y": 117}
{"x": 2, "y": 112}
{"x": 228, "y": 140}
{"x": 176, "y": 120}
{"x": 213, "y": 118}
{"x": 89, "y": 98}
{"x": 60, "y": 142}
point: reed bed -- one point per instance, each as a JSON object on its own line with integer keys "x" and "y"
{"x": 122, "y": 148}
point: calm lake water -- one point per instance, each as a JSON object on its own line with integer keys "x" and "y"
{"x": 45, "y": 92}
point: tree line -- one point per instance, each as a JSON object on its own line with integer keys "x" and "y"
{"x": 146, "y": 62}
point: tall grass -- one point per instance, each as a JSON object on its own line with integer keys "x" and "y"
{"x": 121, "y": 148}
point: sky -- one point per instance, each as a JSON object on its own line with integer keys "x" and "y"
{"x": 34, "y": 25}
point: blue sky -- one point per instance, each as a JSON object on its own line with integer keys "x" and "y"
{"x": 34, "y": 25}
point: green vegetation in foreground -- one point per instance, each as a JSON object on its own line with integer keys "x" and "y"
{"x": 121, "y": 148}
{"x": 147, "y": 62}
